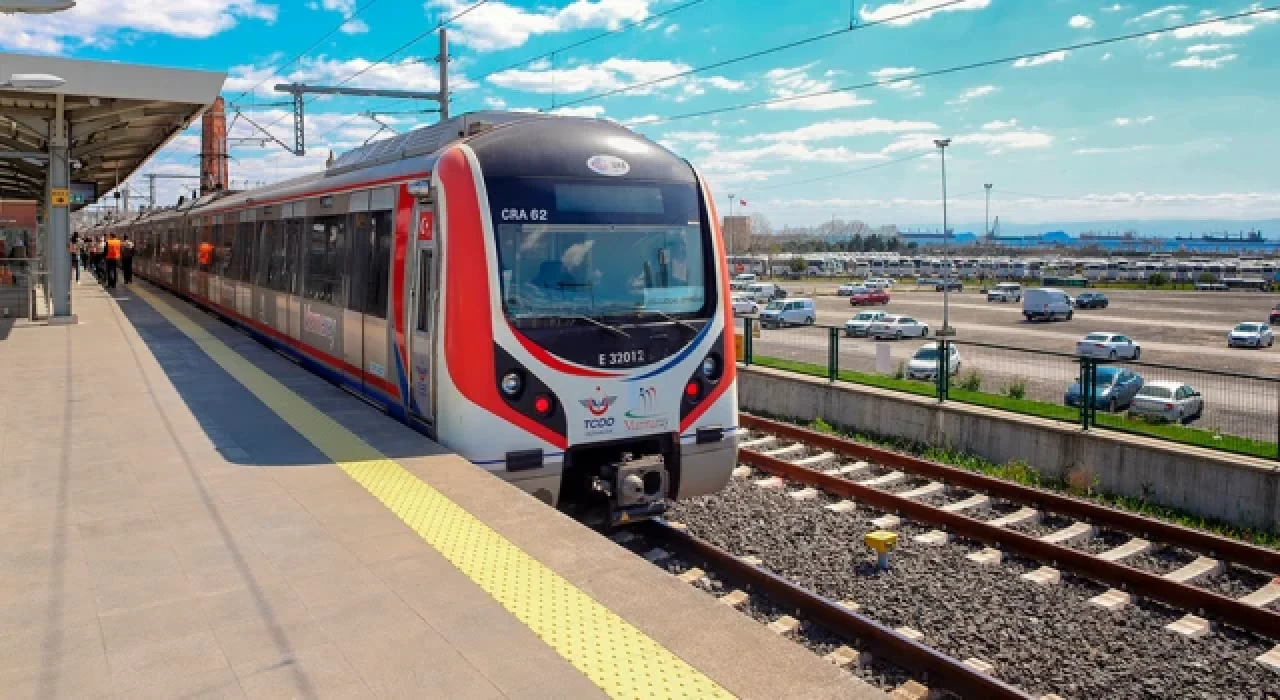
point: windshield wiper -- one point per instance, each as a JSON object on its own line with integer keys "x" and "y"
{"x": 602, "y": 324}
{"x": 673, "y": 319}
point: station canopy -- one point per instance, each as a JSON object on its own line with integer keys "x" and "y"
{"x": 117, "y": 115}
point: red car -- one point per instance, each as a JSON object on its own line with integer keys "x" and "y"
{"x": 1275, "y": 315}
{"x": 866, "y": 297}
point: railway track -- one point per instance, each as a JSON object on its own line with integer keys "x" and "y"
{"x": 899, "y": 647}
{"x": 1086, "y": 544}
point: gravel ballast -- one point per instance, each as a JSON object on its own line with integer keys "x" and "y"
{"x": 1044, "y": 639}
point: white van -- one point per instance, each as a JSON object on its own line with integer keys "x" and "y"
{"x": 745, "y": 277}
{"x": 1005, "y": 291}
{"x": 1046, "y": 304}
{"x": 879, "y": 283}
{"x": 787, "y": 312}
{"x": 764, "y": 292}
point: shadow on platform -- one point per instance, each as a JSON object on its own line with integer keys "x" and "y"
{"x": 243, "y": 429}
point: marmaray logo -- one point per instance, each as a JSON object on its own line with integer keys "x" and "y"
{"x": 599, "y": 404}
{"x": 647, "y": 398}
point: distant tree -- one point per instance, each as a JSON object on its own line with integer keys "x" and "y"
{"x": 913, "y": 246}
{"x": 798, "y": 264}
{"x": 1157, "y": 279}
{"x": 856, "y": 244}
{"x": 1207, "y": 278}
{"x": 760, "y": 225}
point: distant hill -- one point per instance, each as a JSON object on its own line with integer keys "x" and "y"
{"x": 1160, "y": 228}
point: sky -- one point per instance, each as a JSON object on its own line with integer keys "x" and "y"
{"x": 1172, "y": 125}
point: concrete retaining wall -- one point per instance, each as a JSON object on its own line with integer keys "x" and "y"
{"x": 1241, "y": 490}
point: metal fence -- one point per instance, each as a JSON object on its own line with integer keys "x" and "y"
{"x": 1222, "y": 410}
{"x": 23, "y": 288}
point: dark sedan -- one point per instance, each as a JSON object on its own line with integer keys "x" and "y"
{"x": 1274, "y": 318}
{"x": 1115, "y": 390}
{"x": 955, "y": 285}
{"x": 1092, "y": 300}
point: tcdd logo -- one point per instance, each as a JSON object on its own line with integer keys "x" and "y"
{"x": 599, "y": 405}
{"x": 597, "y": 423}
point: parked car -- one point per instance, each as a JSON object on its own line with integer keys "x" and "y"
{"x": 863, "y": 296}
{"x": 924, "y": 364}
{"x": 1168, "y": 401}
{"x": 1046, "y": 304}
{"x": 1005, "y": 291}
{"x": 879, "y": 283}
{"x": 744, "y": 305}
{"x": 765, "y": 292}
{"x": 745, "y": 277}
{"x": 898, "y": 327}
{"x": 953, "y": 285}
{"x": 861, "y": 324}
{"x": 1108, "y": 346}
{"x": 1092, "y": 300}
{"x": 1274, "y": 318}
{"x": 788, "y": 312}
{"x": 1115, "y": 389}
{"x": 1250, "y": 335}
{"x": 845, "y": 290}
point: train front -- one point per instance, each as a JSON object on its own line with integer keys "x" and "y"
{"x": 588, "y": 337}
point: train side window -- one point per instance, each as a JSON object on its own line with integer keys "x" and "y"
{"x": 326, "y": 259}
{"x": 267, "y": 261}
{"x": 294, "y": 245}
{"x": 361, "y": 227}
{"x": 379, "y": 264}
{"x": 243, "y": 252}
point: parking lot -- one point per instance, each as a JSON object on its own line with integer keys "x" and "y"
{"x": 1186, "y": 330}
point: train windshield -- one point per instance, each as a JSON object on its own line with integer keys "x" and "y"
{"x": 601, "y": 251}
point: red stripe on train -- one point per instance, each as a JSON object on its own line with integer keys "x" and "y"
{"x": 404, "y": 221}
{"x": 468, "y": 333}
{"x": 556, "y": 363}
{"x": 729, "y": 352}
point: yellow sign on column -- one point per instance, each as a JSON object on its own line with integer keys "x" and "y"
{"x": 60, "y": 197}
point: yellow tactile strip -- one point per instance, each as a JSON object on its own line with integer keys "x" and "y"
{"x": 617, "y": 657}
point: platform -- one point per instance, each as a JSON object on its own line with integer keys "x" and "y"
{"x": 184, "y": 513}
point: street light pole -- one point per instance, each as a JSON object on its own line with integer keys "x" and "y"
{"x": 946, "y": 329}
{"x": 987, "y": 225}
{"x": 731, "y": 237}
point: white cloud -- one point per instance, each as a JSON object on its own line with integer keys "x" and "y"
{"x": 993, "y": 141}
{"x": 354, "y": 26}
{"x": 691, "y": 136}
{"x": 611, "y": 74}
{"x": 1207, "y": 48}
{"x": 590, "y": 111}
{"x": 793, "y": 82}
{"x": 1080, "y": 22}
{"x": 844, "y": 128}
{"x": 1155, "y": 14}
{"x": 495, "y": 103}
{"x": 896, "y": 75}
{"x": 1214, "y": 29}
{"x": 100, "y": 23}
{"x": 495, "y": 26}
{"x": 1116, "y": 7}
{"x": 731, "y": 160}
{"x": 920, "y": 8}
{"x": 671, "y": 29}
{"x": 645, "y": 119}
{"x": 1042, "y": 59}
{"x": 1129, "y": 121}
{"x": 1198, "y": 62}
{"x": 1117, "y": 149}
{"x": 998, "y": 125}
{"x": 973, "y": 93}
{"x": 1106, "y": 56}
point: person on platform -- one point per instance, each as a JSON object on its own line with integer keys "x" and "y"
{"x": 73, "y": 249}
{"x": 114, "y": 248}
{"x": 126, "y": 259}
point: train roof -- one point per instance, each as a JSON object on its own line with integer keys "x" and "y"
{"x": 399, "y": 156}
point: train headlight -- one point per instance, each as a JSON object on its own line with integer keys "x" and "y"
{"x": 711, "y": 367}
{"x": 512, "y": 384}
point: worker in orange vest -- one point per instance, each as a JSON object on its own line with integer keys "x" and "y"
{"x": 206, "y": 255}
{"x": 113, "y": 259}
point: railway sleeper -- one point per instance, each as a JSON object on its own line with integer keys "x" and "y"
{"x": 1022, "y": 516}
{"x": 1076, "y": 532}
{"x": 884, "y": 479}
{"x": 1264, "y": 596}
{"x": 1200, "y": 568}
{"x": 1132, "y": 548}
{"x": 789, "y": 452}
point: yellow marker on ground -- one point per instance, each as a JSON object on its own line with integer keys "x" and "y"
{"x": 881, "y": 542}
{"x": 617, "y": 657}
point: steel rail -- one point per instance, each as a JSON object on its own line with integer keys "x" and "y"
{"x": 932, "y": 665}
{"x": 1205, "y": 603}
{"x": 1242, "y": 553}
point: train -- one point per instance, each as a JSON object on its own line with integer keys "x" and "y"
{"x": 546, "y": 296}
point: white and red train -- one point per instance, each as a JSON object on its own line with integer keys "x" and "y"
{"x": 546, "y": 296}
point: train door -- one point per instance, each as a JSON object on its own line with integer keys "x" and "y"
{"x": 421, "y": 313}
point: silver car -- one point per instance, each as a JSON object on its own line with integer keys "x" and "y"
{"x": 1250, "y": 335}
{"x": 1168, "y": 401}
{"x": 924, "y": 364}
{"x": 860, "y": 325}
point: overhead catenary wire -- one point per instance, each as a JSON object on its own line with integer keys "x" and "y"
{"x": 293, "y": 61}
{"x": 559, "y": 50}
{"x": 968, "y": 66}
{"x": 843, "y": 173}
{"x": 388, "y": 56}
{"x": 763, "y": 52}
